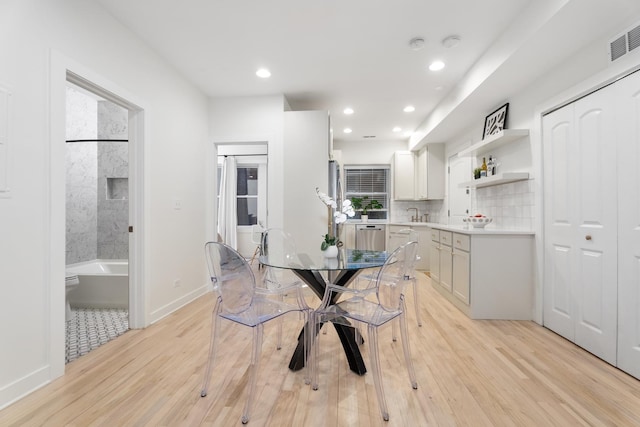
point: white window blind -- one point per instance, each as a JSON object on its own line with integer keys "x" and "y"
{"x": 371, "y": 181}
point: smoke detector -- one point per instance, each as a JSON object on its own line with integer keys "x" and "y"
{"x": 416, "y": 43}
{"x": 451, "y": 41}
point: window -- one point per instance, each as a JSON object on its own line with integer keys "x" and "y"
{"x": 247, "y": 193}
{"x": 372, "y": 181}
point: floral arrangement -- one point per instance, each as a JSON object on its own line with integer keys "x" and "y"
{"x": 340, "y": 215}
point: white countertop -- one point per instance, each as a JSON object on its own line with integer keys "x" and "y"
{"x": 465, "y": 229}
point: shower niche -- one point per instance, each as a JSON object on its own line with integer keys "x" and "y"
{"x": 117, "y": 188}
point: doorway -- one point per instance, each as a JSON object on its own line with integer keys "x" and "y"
{"x": 103, "y": 216}
{"x": 459, "y": 198}
{"x": 251, "y": 164}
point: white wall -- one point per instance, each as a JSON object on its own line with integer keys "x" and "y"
{"x": 369, "y": 152}
{"x": 306, "y": 166}
{"x": 37, "y": 37}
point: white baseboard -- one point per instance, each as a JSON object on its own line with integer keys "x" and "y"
{"x": 167, "y": 309}
{"x": 21, "y": 387}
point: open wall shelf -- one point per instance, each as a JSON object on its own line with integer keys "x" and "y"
{"x": 494, "y": 141}
{"x": 501, "y": 178}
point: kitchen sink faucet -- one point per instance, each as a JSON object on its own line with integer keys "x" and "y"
{"x": 415, "y": 218}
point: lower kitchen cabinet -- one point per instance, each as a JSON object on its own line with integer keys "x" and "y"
{"x": 460, "y": 279}
{"x": 485, "y": 275}
{"x": 434, "y": 255}
{"x": 395, "y": 239}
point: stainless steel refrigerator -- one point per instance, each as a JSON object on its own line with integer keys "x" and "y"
{"x": 335, "y": 192}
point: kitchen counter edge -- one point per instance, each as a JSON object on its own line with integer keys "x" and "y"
{"x": 464, "y": 229}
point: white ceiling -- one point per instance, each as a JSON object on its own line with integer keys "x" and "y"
{"x": 330, "y": 54}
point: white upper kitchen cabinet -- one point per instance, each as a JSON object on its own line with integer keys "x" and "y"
{"x": 430, "y": 173}
{"x": 404, "y": 175}
{"x": 421, "y": 176}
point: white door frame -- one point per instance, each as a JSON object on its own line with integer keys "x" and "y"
{"x": 64, "y": 69}
{"x": 216, "y": 149}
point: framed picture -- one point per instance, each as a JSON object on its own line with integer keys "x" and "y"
{"x": 496, "y": 121}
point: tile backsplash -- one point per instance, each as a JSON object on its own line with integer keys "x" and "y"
{"x": 510, "y": 205}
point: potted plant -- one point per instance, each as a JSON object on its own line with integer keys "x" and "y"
{"x": 330, "y": 246}
{"x": 477, "y": 172}
{"x": 364, "y": 204}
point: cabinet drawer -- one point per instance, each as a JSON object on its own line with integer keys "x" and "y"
{"x": 445, "y": 237}
{"x": 435, "y": 235}
{"x": 461, "y": 241}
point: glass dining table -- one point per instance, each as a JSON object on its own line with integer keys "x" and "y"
{"x": 340, "y": 270}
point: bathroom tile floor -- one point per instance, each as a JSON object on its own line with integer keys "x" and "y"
{"x": 89, "y": 328}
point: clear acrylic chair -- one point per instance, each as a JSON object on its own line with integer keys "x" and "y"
{"x": 374, "y": 306}
{"x": 409, "y": 274}
{"x": 276, "y": 240}
{"x": 239, "y": 301}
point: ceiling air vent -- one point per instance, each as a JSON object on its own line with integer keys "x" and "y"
{"x": 633, "y": 38}
{"x": 618, "y": 47}
{"x": 624, "y": 43}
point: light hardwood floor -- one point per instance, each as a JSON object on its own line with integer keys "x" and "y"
{"x": 470, "y": 373}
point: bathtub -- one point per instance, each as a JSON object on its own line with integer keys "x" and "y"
{"x": 103, "y": 284}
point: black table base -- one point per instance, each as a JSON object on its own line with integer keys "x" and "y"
{"x": 347, "y": 334}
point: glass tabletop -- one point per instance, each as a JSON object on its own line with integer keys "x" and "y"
{"x": 347, "y": 259}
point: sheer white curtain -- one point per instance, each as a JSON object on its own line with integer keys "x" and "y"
{"x": 227, "y": 215}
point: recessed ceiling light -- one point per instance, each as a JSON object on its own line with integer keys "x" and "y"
{"x": 451, "y": 41}
{"x": 263, "y": 73}
{"x": 397, "y": 129}
{"x": 348, "y": 110}
{"x": 347, "y": 130}
{"x": 436, "y": 66}
{"x": 409, "y": 109}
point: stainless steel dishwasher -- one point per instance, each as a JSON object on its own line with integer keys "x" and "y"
{"x": 370, "y": 237}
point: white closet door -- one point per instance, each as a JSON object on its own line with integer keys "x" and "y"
{"x": 580, "y": 295}
{"x": 596, "y": 235}
{"x": 560, "y": 180}
{"x": 629, "y": 225}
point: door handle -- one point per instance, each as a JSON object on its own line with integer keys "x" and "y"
{"x": 587, "y": 237}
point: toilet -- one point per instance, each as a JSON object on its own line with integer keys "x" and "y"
{"x": 71, "y": 282}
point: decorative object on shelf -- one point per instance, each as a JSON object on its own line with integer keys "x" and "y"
{"x": 364, "y": 204}
{"x": 496, "y": 121}
{"x": 491, "y": 167}
{"x": 476, "y": 173}
{"x": 478, "y": 220}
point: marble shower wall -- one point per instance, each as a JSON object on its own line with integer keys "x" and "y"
{"x": 113, "y": 182}
{"x": 81, "y": 160}
{"x": 97, "y": 180}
